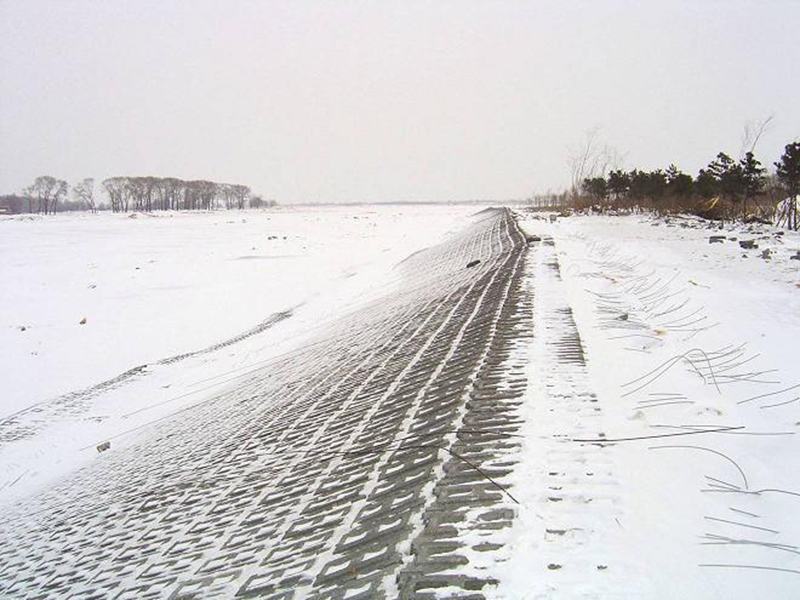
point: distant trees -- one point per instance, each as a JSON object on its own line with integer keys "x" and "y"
{"x": 117, "y": 192}
{"x": 125, "y": 194}
{"x": 644, "y": 184}
{"x": 618, "y": 184}
{"x": 596, "y": 187}
{"x": 728, "y": 187}
{"x": 13, "y": 204}
{"x": 678, "y": 183}
{"x": 259, "y": 202}
{"x": 44, "y": 194}
{"x": 706, "y": 184}
{"x": 83, "y": 191}
{"x": 735, "y": 181}
{"x": 241, "y": 194}
{"x": 234, "y": 196}
{"x": 170, "y": 193}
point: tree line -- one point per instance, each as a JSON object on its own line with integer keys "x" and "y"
{"x": 47, "y": 194}
{"x": 738, "y": 183}
{"x": 171, "y": 193}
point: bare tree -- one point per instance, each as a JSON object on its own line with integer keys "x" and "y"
{"x": 137, "y": 192}
{"x": 170, "y": 193}
{"x": 751, "y": 134}
{"x": 117, "y": 190}
{"x": 48, "y": 191}
{"x": 173, "y": 192}
{"x": 59, "y": 192}
{"x": 241, "y": 193}
{"x": 593, "y": 158}
{"x": 160, "y": 193}
{"x": 83, "y": 191}
{"x": 225, "y": 191}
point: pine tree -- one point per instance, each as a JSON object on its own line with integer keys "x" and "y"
{"x": 728, "y": 175}
{"x": 618, "y": 183}
{"x": 645, "y": 184}
{"x": 788, "y": 169}
{"x": 637, "y": 184}
{"x": 656, "y": 184}
{"x": 596, "y": 187}
{"x": 706, "y": 184}
{"x": 679, "y": 183}
{"x": 753, "y": 180}
{"x": 788, "y": 172}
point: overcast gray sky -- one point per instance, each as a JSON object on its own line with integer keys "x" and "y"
{"x": 366, "y": 101}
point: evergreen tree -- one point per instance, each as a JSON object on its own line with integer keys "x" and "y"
{"x": 788, "y": 169}
{"x": 618, "y": 183}
{"x": 728, "y": 175}
{"x": 651, "y": 185}
{"x": 706, "y": 184}
{"x": 788, "y": 173}
{"x": 753, "y": 179}
{"x": 679, "y": 183}
{"x": 595, "y": 187}
{"x": 637, "y": 184}
{"x": 656, "y": 184}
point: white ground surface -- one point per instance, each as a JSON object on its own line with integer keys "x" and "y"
{"x": 152, "y": 287}
{"x": 680, "y": 335}
{"x": 637, "y": 519}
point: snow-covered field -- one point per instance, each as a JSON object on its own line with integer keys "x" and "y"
{"x": 155, "y": 287}
{"x": 642, "y": 386}
{"x": 680, "y": 336}
{"x": 152, "y": 286}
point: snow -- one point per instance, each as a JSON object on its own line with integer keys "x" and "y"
{"x": 690, "y": 364}
{"x": 650, "y": 521}
{"x": 157, "y": 286}
{"x": 356, "y": 591}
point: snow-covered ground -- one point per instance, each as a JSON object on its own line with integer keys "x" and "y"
{"x": 680, "y": 335}
{"x": 657, "y": 373}
{"x": 155, "y": 287}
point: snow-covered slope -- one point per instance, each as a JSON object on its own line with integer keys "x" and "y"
{"x": 340, "y": 470}
{"x": 152, "y": 286}
{"x": 177, "y": 307}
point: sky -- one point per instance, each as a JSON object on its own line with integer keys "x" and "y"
{"x": 377, "y": 101}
